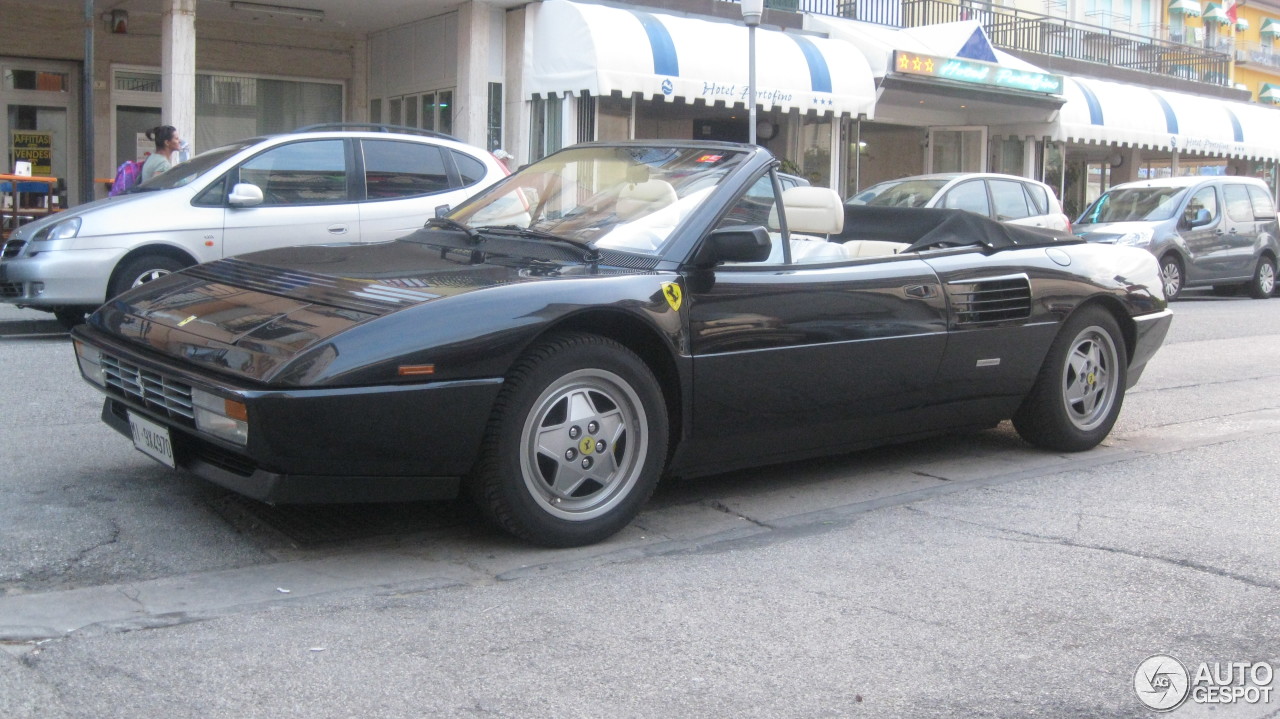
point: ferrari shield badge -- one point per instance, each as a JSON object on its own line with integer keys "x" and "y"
{"x": 671, "y": 291}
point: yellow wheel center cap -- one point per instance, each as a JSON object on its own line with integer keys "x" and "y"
{"x": 587, "y": 445}
{"x": 1093, "y": 379}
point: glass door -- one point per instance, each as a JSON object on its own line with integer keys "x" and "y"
{"x": 37, "y": 122}
{"x": 957, "y": 149}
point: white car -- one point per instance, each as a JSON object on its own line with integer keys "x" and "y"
{"x": 317, "y": 185}
{"x": 1006, "y": 198}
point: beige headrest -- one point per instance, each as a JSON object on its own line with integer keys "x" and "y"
{"x": 642, "y": 198}
{"x": 811, "y": 210}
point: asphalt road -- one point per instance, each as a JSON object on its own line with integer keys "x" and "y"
{"x": 962, "y": 576}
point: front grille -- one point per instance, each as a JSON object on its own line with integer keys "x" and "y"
{"x": 163, "y": 395}
{"x": 12, "y": 248}
{"x": 996, "y": 300}
{"x": 11, "y": 289}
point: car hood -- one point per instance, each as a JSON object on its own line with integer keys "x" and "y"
{"x": 91, "y": 209}
{"x": 1111, "y": 231}
{"x": 253, "y": 314}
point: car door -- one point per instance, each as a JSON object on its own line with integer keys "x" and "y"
{"x": 306, "y": 198}
{"x": 404, "y": 184}
{"x": 1241, "y": 230}
{"x": 1205, "y": 244}
{"x": 788, "y": 355}
{"x": 969, "y": 195}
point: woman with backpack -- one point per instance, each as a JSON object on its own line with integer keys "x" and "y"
{"x": 167, "y": 143}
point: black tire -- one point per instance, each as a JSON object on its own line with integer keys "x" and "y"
{"x": 1264, "y": 279}
{"x": 1172, "y": 275}
{"x": 1080, "y": 389}
{"x": 69, "y": 317}
{"x": 576, "y": 442}
{"x": 140, "y": 270}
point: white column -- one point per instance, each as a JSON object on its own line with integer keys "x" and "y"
{"x": 178, "y": 67}
{"x": 471, "y": 101}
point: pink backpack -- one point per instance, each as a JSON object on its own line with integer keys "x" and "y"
{"x": 127, "y": 177}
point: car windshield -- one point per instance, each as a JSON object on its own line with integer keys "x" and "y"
{"x": 185, "y": 172}
{"x": 626, "y": 198}
{"x": 899, "y": 193}
{"x": 1134, "y": 204}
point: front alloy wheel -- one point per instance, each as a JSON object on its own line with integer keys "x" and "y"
{"x": 576, "y": 443}
{"x": 1171, "y": 276}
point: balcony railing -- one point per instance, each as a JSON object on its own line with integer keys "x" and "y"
{"x": 1015, "y": 29}
{"x": 1258, "y": 53}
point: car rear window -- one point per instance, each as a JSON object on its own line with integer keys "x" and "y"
{"x": 471, "y": 169}
{"x": 402, "y": 169}
{"x": 1263, "y": 207}
{"x": 1039, "y": 197}
{"x": 1239, "y": 206}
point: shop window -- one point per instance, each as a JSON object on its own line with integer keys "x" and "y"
{"x": 375, "y": 110}
{"x": 137, "y": 81}
{"x": 40, "y": 80}
{"x": 546, "y": 133}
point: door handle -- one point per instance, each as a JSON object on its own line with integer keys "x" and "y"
{"x": 922, "y": 292}
{"x": 337, "y": 229}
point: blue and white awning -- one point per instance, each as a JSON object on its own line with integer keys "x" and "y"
{"x": 1105, "y": 112}
{"x": 576, "y": 47}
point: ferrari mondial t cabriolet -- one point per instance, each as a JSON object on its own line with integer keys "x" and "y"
{"x": 613, "y": 314}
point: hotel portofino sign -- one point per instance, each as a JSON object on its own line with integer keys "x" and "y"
{"x": 975, "y": 72}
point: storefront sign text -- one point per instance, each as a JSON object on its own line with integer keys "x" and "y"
{"x": 34, "y": 147}
{"x": 976, "y": 72}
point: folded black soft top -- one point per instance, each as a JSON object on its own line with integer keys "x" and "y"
{"x": 925, "y": 228}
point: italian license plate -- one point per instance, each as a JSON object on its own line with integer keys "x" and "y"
{"x": 152, "y": 439}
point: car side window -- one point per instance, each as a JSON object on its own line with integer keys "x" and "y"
{"x": 1236, "y": 198}
{"x": 1263, "y": 207}
{"x": 757, "y": 206}
{"x": 1206, "y": 199}
{"x": 402, "y": 169}
{"x": 300, "y": 173}
{"x": 1009, "y": 199}
{"x": 971, "y": 195}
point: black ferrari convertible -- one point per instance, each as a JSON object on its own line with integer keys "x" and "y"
{"x": 610, "y": 315}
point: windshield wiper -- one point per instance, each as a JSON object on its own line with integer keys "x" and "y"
{"x": 448, "y": 223}
{"x": 589, "y": 253}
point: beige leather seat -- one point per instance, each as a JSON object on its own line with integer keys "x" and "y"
{"x": 816, "y": 212}
{"x": 873, "y": 248}
{"x": 642, "y": 198}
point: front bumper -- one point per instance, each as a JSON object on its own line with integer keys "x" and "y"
{"x": 1150, "y": 331}
{"x": 358, "y": 444}
{"x": 58, "y": 278}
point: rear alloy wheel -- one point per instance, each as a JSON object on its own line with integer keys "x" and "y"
{"x": 576, "y": 444}
{"x": 141, "y": 270}
{"x": 1171, "y": 276}
{"x": 1080, "y": 389}
{"x": 1264, "y": 279}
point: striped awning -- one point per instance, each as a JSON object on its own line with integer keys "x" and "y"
{"x": 1270, "y": 26}
{"x": 1189, "y": 8}
{"x": 1241, "y": 24}
{"x": 1213, "y": 13}
{"x": 602, "y": 49}
{"x": 1269, "y": 93}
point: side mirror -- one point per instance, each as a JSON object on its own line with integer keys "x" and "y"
{"x": 739, "y": 243}
{"x": 245, "y": 194}
{"x": 1202, "y": 218}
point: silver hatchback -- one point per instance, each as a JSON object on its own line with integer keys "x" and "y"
{"x": 1215, "y": 231}
{"x": 320, "y": 185}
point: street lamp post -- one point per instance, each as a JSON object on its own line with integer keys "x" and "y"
{"x": 751, "y": 12}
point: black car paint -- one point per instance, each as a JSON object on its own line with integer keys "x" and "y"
{"x": 758, "y": 366}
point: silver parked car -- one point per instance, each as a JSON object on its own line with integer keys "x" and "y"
{"x": 325, "y": 184}
{"x": 1005, "y": 198}
{"x": 1215, "y": 231}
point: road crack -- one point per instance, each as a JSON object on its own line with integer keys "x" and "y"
{"x": 722, "y": 507}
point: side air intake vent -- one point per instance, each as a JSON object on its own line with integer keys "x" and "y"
{"x": 1002, "y": 299}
